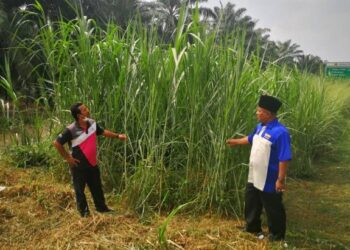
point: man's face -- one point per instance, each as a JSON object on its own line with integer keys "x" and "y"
{"x": 263, "y": 115}
{"x": 84, "y": 112}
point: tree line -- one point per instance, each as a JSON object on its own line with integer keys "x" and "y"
{"x": 162, "y": 15}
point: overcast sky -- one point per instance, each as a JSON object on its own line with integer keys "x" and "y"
{"x": 320, "y": 27}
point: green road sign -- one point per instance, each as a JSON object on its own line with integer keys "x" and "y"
{"x": 338, "y": 70}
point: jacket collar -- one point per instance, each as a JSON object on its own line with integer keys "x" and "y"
{"x": 271, "y": 123}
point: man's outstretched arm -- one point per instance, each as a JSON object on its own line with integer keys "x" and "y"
{"x": 239, "y": 141}
{"x": 110, "y": 134}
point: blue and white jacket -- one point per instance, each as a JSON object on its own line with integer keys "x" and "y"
{"x": 270, "y": 145}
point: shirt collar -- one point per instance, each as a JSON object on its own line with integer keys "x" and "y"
{"x": 271, "y": 123}
{"x": 88, "y": 124}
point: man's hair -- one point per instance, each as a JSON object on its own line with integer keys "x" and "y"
{"x": 75, "y": 111}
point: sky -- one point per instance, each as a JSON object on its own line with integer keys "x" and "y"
{"x": 320, "y": 27}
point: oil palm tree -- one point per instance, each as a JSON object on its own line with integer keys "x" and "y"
{"x": 4, "y": 23}
{"x": 165, "y": 14}
{"x": 19, "y": 68}
{"x": 227, "y": 19}
{"x": 102, "y": 11}
{"x": 310, "y": 63}
{"x": 288, "y": 52}
{"x": 119, "y": 11}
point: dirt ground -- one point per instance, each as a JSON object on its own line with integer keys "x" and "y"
{"x": 37, "y": 212}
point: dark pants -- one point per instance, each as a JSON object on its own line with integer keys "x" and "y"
{"x": 255, "y": 201}
{"x": 90, "y": 176}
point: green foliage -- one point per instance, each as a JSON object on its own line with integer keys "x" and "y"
{"x": 31, "y": 155}
{"x": 27, "y": 124}
{"x": 178, "y": 103}
{"x": 162, "y": 229}
{"x": 6, "y": 83}
{"x": 310, "y": 64}
{"x": 31, "y": 137}
{"x": 316, "y": 121}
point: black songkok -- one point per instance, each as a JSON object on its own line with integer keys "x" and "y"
{"x": 270, "y": 103}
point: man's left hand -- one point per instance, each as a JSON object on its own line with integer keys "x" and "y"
{"x": 280, "y": 186}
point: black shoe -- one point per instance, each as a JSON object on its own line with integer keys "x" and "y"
{"x": 85, "y": 214}
{"x": 105, "y": 210}
{"x": 273, "y": 237}
{"x": 259, "y": 234}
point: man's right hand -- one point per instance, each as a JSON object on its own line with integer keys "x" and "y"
{"x": 72, "y": 161}
{"x": 237, "y": 141}
{"x": 231, "y": 142}
{"x": 122, "y": 137}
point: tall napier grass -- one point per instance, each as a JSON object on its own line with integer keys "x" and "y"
{"x": 178, "y": 103}
{"x": 317, "y": 120}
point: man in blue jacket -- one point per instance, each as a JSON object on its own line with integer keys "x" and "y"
{"x": 269, "y": 158}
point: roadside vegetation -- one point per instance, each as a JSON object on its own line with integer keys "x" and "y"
{"x": 178, "y": 96}
{"x": 38, "y": 212}
{"x": 177, "y": 102}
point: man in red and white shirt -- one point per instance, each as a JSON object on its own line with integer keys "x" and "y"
{"x": 81, "y": 137}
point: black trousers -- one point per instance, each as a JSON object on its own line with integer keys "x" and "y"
{"x": 90, "y": 176}
{"x": 255, "y": 201}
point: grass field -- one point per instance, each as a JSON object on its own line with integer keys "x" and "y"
{"x": 177, "y": 103}
{"x": 319, "y": 208}
{"x": 37, "y": 212}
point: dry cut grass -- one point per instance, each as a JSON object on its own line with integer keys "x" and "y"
{"x": 36, "y": 212}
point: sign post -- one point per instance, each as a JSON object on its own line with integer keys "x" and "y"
{"x": 338, "y": 69}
